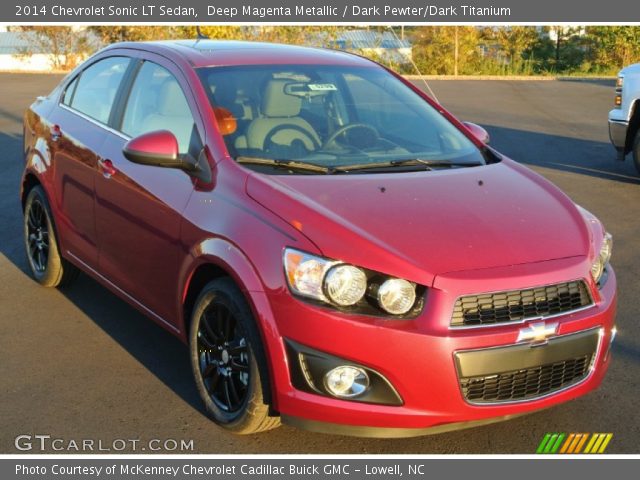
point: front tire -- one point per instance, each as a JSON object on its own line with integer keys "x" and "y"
{"x": 227, "y": 360}
{"x": 41, "y": 245}
{"x": 636, "y": 151}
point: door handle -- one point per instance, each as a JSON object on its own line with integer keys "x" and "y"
{"x": 56, "y": 133}
{"x": 106, "y": 167}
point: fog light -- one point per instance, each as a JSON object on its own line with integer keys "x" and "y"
{"x": 346, "y": 381}
{"x": 397, "y": 296}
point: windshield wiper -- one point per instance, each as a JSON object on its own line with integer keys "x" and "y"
{"x": 429, "y": 164}
{"x": 288, "y": 164}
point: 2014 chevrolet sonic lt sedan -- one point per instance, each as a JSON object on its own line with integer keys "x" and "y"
{"x": 339, "y": 252}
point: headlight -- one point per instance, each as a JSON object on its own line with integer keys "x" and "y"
{"x": 345, "y": 285}
{"x": 397, "y": 296}
{"x": 305, "y": 273}
{"x": 597, "y": 269}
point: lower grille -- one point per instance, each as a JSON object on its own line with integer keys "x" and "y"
{"x": 526, "y": 383}
{"x": 518, "y": 305}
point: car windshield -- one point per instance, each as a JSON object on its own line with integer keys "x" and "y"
{"x": 326, "y": 119}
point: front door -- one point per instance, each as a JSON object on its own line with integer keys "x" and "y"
{"x": 139, "y": 207}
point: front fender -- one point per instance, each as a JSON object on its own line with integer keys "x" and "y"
{"x": 228, "y": 257}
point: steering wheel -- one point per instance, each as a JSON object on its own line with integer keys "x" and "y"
{"x": 290, "y": 126}
{"x": 373, "y": 134}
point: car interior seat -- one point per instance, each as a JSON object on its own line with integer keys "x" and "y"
{"x": 280, "y": 123}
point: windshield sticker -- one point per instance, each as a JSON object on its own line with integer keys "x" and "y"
{"x": 322, "y": 86}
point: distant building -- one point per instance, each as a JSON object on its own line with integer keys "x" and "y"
{"x": 565, "y": 31}
{"x": 384, "y": 45}
{"x": 12, "y": 48}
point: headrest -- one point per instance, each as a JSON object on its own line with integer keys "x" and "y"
{"x": 171, "y": 101}
{"x": 276, "y": 103}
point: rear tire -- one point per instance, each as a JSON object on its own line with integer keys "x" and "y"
{"x": 227, "y": 359}
{"x": 636, "y": 151}
{"x": 41, "y": 245}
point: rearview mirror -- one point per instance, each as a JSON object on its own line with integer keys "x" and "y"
{"x": 477, "y": 131}
{"x": 158, "y": 148}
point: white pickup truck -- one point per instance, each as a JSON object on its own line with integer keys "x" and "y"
{"x": 624, "y": 119}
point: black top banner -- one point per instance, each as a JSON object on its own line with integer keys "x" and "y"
{"x": 318, "y": 11}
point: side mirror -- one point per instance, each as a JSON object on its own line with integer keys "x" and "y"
{"x": 478, "y": 132}
{"x": 158, "y": 148}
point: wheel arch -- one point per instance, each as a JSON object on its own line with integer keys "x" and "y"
{"x": 215, "y": 258}
{"x": 29, "y": 180}
{"x": 634, "y": 126}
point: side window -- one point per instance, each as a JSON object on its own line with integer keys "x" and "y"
{"x": 97, "y": 87}
{"x": 157, "y": 102}
{"x": 68, "y": 92}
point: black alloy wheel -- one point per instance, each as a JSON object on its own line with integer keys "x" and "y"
{"x": 37, "y": 236}
{"x": 48, "y": 267}
{"x": 228, "y": 360}
{"x": 224, "y": 358}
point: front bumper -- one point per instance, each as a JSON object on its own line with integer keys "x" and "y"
{"x": 418, "y": 357}
{"x": 618, "y": 133}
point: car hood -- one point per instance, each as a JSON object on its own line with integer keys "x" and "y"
{"x": 628, "y": 70}
{"x": 421, "y": 224}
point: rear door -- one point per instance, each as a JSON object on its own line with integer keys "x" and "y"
{"x": 78, "y": 130}
{"x": 138, "y": 207}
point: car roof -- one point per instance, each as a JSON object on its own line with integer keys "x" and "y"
{"x": 206, "y": 53}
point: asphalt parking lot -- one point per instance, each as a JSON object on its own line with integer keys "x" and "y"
{"x": 82, "y": 364}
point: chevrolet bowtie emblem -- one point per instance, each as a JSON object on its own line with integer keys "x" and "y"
{"x": 537, "y": 332}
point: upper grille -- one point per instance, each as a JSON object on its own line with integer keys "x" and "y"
{"x": 527, "y": 383}
{"x": 518, "y": 305}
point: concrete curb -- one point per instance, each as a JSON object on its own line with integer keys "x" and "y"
{"x": 529, "y": 78}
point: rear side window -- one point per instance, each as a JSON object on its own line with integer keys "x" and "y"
{"x": 157, "y": 102}
{"x": 97, "y": 87}
{"x": 68, "y": 92}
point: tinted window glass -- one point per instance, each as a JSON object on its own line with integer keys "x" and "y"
{"x": 157, "y": 102}
{"x": 97, "y": 88}
{"x": 68, "y": 93}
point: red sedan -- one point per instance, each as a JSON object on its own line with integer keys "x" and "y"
{"x": 339, "y": 252}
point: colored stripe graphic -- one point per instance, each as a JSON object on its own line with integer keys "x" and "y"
{"x": 550, "y": 443}
{"x": 574, "y": 442}
{"x": 605, "y": 442}
{"x": 543, "y": 443}
{"x": 598, "y": 442}
{"x": 568, "y": 442}
{"x": 583, "y": 439}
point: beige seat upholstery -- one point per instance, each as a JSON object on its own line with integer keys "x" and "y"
{"x": 279, "y": 111}
{"x": 172, "y": 113}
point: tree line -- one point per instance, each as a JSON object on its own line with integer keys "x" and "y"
{"x": 436, "y": 50}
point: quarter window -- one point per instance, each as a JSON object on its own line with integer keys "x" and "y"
{"x": 157, "y": 102}
{"x": 68, "y": 92}
{"x": 97, "y": 87}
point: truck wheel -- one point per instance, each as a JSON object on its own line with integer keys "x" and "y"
{"x": 636, "y": 151}
{"x": 47, "y": 265}
{"x": 228, "y": 361}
